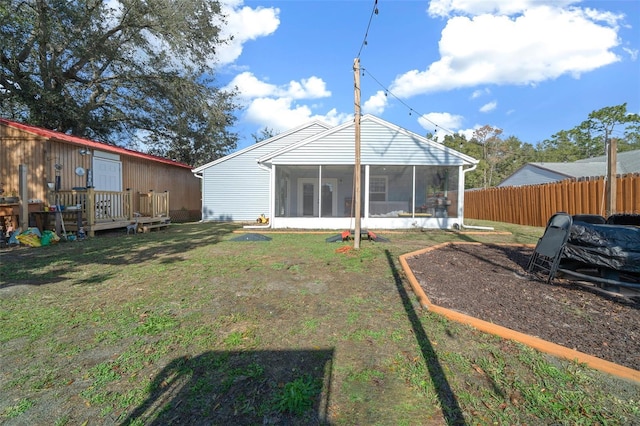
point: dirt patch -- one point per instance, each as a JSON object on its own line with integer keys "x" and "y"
{"x": 490, "y": 282}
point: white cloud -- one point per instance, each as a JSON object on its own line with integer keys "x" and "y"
{"x": 277, "y": 107}
{"x": 249, "y": 87}
{"x": 541, "y": 44}
{"x": 282, "y": 114}
{"x": 440, "y": 123}
{"x": 376, "y": 104}
{"x": 277, "y": 113}
{"x": 310, "y": 88}
{"x": 633, "y": 53}
{"x": 489, "y": 106}
{"x": 480, "y": 92}
{"x": 445, "y": 8}
{"x": 244, "y": 24}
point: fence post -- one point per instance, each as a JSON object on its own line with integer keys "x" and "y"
{"x": 90, "y": 207}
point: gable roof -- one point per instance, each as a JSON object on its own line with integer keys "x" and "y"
{"x": 63, "y": 137}
{"x": 265, "y": 142}
{"x": 381, "y": 142}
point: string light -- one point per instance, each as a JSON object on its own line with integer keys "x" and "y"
{"x": 411, "y": 110}
{"x": 374, "y": 11}
{"x": 387, "y": 92}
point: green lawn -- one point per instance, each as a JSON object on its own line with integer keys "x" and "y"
{"x": 186, "y": 326}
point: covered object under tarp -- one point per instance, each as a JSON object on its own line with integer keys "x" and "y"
{"x": 612, "y": 247}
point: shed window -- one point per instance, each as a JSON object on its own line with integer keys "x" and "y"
{"x": 378, "y": 188}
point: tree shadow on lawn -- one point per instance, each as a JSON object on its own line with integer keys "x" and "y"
{"x": 25, "y": 265}
{"x": 448, "y": 401}
{"x": 241, "y": 388}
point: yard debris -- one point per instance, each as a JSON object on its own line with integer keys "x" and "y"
{"x": 33, "y": 238}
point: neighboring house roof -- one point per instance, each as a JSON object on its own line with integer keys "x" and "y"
{"x": 628, "y": 161}
{"x": 538, "y": 173}
{"x": 63, "y": 137}
{"x": 263, "y": 143}
{"x": 337, "y": 146}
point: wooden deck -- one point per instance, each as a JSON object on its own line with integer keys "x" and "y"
{"x": 103, "y": 210}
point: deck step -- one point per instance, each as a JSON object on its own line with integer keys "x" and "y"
{"x": 147, "y": 227}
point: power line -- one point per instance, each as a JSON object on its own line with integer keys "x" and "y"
{"x": 374, "y": 11}
{"x": 411, "y": 110}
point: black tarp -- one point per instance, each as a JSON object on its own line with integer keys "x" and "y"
{"x": 614, "y": 247}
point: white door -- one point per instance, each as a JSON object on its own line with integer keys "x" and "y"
{"x": 309, "y": 201}
{"x": 107, "y": 175}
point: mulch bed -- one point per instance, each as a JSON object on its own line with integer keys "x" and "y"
{"x": 490, "y": 282}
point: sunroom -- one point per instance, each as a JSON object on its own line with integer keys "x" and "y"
{"x": 407, "y": 180}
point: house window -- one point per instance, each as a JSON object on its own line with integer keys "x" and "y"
{"x": 378, "y": 188}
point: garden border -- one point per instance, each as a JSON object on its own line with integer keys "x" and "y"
{"x": 506, "y": 333}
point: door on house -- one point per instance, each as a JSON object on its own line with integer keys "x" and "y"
{"x": 107, "y": 176}
{"x": 309, "y": 202}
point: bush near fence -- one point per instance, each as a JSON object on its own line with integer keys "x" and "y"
{"x": 533, "y": 205}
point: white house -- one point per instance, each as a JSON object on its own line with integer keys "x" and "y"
{"x": 304, "y": 178}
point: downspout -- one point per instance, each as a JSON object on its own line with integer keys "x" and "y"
{"x": 199, "y": 176}
{"x": 268, "y": 225}
{"x": 462, "y": 225}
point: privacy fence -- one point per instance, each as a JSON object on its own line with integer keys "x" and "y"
{"x": 534, "y": 204}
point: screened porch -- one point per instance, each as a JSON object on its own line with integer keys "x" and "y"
{"x": 387, "y": 191}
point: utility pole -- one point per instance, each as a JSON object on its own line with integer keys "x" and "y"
{"x": 357, "y": 177}
{"x": 610, "y": 186}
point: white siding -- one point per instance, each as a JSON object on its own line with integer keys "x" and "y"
{"x": 381, "y": 144}
{"x": 235, "y": 188}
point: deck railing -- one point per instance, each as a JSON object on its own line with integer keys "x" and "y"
{"x": 154, "y": 204}
{"x": 100, "y": 207}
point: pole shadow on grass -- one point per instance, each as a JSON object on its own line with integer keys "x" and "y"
{"x": 240, "y": 388}
{"x": 448, "y": 401}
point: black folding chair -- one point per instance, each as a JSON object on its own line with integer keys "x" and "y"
{"x": 548, "y": 251}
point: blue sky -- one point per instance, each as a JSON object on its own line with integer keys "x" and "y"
{"x": 528, "y": 67}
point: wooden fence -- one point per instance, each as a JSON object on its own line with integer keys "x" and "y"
{"x": 534, "y": 204}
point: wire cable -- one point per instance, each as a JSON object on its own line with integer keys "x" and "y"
{"x": 411, "y": 110}
{"x": 374, "y": 11}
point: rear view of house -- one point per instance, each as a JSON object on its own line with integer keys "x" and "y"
{"x": 304, "y": 178}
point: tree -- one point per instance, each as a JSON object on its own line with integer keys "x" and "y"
{"x": 588, "y": 139}
{"x": 127, "y": 71}
{"x": 603, "y": 123}
{"x": 265, "y": 133}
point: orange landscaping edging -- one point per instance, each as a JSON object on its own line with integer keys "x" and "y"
{"x": 506, "y": 333}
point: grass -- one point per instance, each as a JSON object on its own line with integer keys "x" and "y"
{"x": 187, "y": 324}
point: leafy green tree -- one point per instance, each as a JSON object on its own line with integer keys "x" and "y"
{"x": 122, "y": 72}
{"x": 589, "y": 138}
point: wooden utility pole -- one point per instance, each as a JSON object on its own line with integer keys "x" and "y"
{"x": 358, "y": 189}
{"x": 610, "y": 187}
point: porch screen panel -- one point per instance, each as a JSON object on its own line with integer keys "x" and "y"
{"x": 297, "y": 191}
{"x": 341, "y": 203}
{"x": 435, "y": 186}
{"x": 390, "y": 191}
